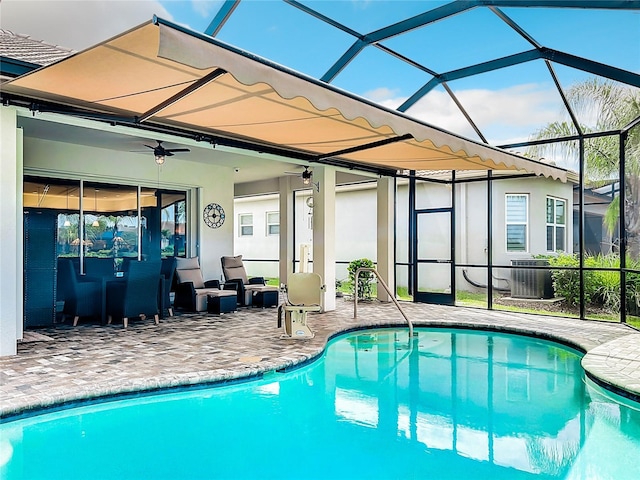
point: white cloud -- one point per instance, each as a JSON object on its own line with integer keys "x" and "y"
{"x": 205, "y": 8}
{"x": 503, "y": 116}
{"x": 360, "y": 4}
{"x": 385, "y": 96}
{"x": 76, "y": 24}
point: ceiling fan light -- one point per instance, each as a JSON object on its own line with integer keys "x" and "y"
{"x": 159, "y": 159}
{"x": 306, "y": 177}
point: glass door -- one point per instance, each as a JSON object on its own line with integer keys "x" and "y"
{"x": 432, "y": 206}
{"x": 433, "y": 267}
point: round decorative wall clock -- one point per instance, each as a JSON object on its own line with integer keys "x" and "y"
{"x": 213, "y": 215}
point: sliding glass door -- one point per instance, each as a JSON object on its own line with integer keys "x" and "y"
{"x": 85, "y": 220}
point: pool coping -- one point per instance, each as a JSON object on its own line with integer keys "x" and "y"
{"x": 611, "y": 354}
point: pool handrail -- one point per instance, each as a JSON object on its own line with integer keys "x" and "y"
{"x": 384, "y": 285}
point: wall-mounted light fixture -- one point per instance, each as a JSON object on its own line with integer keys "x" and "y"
{"x": 307, "y": 177}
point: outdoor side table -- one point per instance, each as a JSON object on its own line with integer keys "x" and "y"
{"x": 221, "y": 301}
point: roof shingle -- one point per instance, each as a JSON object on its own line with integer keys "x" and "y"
{"x": 23, "y": 47}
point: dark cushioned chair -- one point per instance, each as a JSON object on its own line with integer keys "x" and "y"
{"x": 235, "y": 276}
{"x": 63, "y": 276}
{"x": 192, "y": 290}
{"x": 168, "y": 270}
{"x": 136, "y": 295}
{"x": 82, "y": 296}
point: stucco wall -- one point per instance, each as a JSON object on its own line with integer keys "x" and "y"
{"x": 11, "y": 264}
{"x": 356, "y": 227}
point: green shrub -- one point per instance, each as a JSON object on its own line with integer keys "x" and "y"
{"x": 566, "y": 283}
{"x": 633, "y": 287}
{"x": 365, "y": 282}
{"x": 607, "y": 284}
{"x": 601, "y": 287}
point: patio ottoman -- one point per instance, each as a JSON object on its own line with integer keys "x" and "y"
{"x": 221, "y": 301}
{"x": 266, "y": 297}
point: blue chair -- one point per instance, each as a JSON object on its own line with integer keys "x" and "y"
{"x": 136, "y": 295}
{"x": 167, "y": 270}
{"x": 82, "y": 296}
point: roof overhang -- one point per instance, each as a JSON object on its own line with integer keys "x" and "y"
{"x": 160, "y": 74}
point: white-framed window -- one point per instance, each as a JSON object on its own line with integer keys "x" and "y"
{"x": 556, "y": 224}
{"x": 517, "y": 219}
{"x": 273, "y": 223}
{"x": 245, "y": 222}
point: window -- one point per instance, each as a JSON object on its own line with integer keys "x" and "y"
{"x": 517, "y": 215}
{"x": 173, "y": 224}
{"x": 246, "y": 224}
{"x": 273, "y": 223}
{"x": 110, "y": 226}
{"x": 556, "y": 224}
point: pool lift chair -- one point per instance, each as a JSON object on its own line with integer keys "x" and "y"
{"x": 302, "y": 294}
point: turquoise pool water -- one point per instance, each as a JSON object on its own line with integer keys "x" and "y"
{"x": 445, "y": 404}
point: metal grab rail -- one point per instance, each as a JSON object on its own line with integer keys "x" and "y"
{"x": 384, "y": 285}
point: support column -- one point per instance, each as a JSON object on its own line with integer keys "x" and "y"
{"x": 385, "y": 241}
{"x": 11, "y": 255}
{"x": 287, "y": 245}
{"x": 324, "y": 235}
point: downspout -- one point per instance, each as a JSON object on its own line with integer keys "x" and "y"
{"x": 490, "y": 239}
{"x": 412, "y": 271}
{"x": 581, "y": 226}
{"x": 623, "y": 229}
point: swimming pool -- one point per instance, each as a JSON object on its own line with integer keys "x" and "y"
{"x": 444, "y": 404}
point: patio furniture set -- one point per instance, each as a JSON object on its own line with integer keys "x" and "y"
{"x": 194, "y": 294}
{"x": 142, "y": 288}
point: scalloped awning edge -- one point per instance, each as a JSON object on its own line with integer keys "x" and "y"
{"x": 249, "y": 69}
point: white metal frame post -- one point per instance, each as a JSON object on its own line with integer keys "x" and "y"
{"x": 11, "y": 249}
{"x": 385, "y": 244}
{"x": 287, "y": 247}
{"x": 324, "y": 231}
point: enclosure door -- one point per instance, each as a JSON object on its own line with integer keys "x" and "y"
{"x": 433, "y": 262}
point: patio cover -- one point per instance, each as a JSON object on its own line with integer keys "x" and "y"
{"x": 164, "y": 75}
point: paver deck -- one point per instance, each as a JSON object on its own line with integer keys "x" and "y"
{"x": 66, "y": 364}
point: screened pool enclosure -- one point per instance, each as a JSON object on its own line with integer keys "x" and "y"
{"x": 552, "y": 213}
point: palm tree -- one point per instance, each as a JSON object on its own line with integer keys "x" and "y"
{"x": 609, "y": 106}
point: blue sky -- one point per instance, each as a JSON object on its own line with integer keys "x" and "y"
{"x": 508, "y": 105}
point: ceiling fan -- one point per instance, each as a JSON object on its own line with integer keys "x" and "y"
{"x": 306, "y": 175}
{"x": 160, "y": 152}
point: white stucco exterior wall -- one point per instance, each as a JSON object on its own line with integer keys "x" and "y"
{"x": 356, "y": 225}
{"x": 260, "y": 245}
{"x": 11, "y": 309}
{"x": 355, "y": 212}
